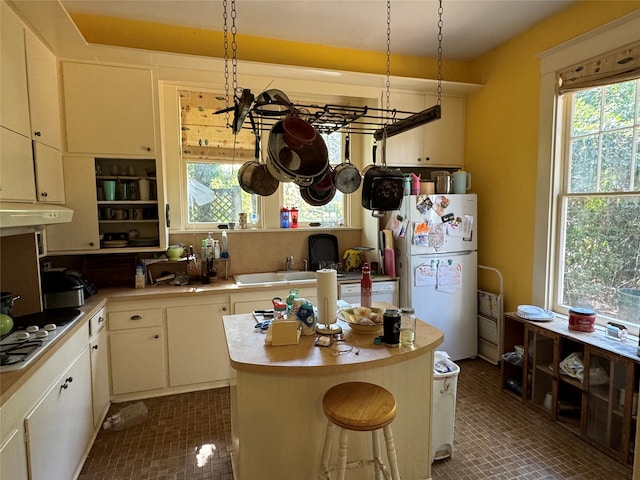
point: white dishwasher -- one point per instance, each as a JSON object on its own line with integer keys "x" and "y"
{"x": 384, "y": 291}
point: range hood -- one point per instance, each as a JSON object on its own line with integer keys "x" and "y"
{"x": 32, "y": 214}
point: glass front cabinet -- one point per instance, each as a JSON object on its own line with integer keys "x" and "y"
{"x": 545, "y": 365}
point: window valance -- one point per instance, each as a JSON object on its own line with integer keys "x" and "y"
{"x": 614, "y": 67}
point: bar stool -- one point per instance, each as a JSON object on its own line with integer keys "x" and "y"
{"x": 362, "y": 407}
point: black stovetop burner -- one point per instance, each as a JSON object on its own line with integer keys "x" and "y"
{"x": 60, "y": 317}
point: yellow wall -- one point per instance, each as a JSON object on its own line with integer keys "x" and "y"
{"x": 170, "y": 38}
{"x": 502, "y": 139}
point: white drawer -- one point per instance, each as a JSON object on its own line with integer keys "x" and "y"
{"x": 135, "y": 319}
{"x": 97, "y": 322}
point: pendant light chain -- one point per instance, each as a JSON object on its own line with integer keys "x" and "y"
{"x": 234, "y": 48}
{"x": 234, "y": 55}
{"x": 440, "y": 53}
{"x": 226, "y": 60}
{"x": 388, "y": 56}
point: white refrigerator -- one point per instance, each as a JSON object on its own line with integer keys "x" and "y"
{"x": 437, "y": 265}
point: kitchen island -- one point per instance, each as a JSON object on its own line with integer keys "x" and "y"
{"x": 277, "y": 421}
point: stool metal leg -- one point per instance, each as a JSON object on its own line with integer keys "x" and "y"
{"x": 323, "y": 474}
{"x": 391, "y": 453}
{"x": 342, "y": 453}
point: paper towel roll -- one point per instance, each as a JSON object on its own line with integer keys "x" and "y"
{"x": 327, "y": 291}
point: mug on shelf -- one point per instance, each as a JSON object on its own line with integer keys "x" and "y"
{"x": 109, "y": 187}
{"x": 119, "y": 214}
{"x": 144, "y": 189}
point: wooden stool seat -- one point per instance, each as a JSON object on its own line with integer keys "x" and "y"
{"x": 359, "y": 406}
{"x": 363, "y": 407}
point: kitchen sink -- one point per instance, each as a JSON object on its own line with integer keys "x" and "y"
{"x": 271, "y": 278}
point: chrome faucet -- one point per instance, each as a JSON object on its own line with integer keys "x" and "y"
{"x": 288, "y": 263}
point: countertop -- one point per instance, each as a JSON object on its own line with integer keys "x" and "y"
{"x": 249, "y": 353}
{"x": 10, "y": 382}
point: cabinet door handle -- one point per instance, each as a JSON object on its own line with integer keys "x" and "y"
{"x": 100, "y": 319}
{"x": 156, "y": 336}
{"x": 167, "y": 215}
{"x": 136, "y": 317}
{"x": 148, "y": 149}
{"x": 66, "y": 383}
{"x": 43, "y": 194}
{"x": 37, "y": 133}
{"x": 95, "y": 347}
{"x": 91, "y": 244}
{"x": 224, "y": 309}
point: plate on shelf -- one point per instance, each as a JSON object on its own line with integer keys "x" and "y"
{"x": 535, "y": 314}
{"x": 115, "y": 243}
{"x": 144, "y": 242}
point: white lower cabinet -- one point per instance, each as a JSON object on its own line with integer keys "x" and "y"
{"x": 13, "y": 463}
{"x": 137, "y": 360}
{"x": 100, "y": 396}
{"x": 196, "y": 344}
{"x": 60, "y": 426}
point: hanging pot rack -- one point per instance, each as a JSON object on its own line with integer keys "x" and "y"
{"x": 382, "y": 123}
{"x": 330, "y": 118}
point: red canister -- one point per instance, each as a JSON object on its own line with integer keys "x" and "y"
{"x": 582, "y": 319}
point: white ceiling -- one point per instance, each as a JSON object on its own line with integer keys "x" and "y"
{"x": 470, "y": 27}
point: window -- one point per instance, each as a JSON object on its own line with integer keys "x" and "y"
{"x": 211, "y": 158}
{"x": 331, "y": 214}
{"x": 599, "y": 202}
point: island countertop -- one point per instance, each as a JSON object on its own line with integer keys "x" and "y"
{"x": 277, "y": 421}
{"x": 249, "y": 353}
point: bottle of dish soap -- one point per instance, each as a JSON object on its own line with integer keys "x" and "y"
{"x": 224, "y": 245}
{"x": 209, "y": 244}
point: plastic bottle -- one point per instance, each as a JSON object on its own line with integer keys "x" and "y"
{"x": 216, "y": 249}
{"x": 209, "y": 244}
{"x": 365, "y": 286}
{"x": 224, "y": 245}
{"x": 127, "y": 417}
{"x": 293, "y": 220}
{"x": 284, "y": 217}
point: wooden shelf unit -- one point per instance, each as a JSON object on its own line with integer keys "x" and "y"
{"x": 599, "y": 407}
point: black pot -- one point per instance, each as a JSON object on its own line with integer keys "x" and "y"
{"x": 6, "y": 302}
{"x": 382, "y": 189}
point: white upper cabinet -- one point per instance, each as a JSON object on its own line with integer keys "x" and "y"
{"x": 14, "y": 100}
{"x": 44, "y": 106}
{"x": 49, "y": 173}
{"x": 439, "y": 143}
{"x": 109, "y": 110}
{"x": 82, "y": 233}
{"x": 16, "y": 166}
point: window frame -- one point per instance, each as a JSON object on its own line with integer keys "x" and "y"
{"x": 610, "y": 37}
{"x": 268, "y": 208}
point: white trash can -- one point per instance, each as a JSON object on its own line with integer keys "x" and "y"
{"x": 443, "y": 412}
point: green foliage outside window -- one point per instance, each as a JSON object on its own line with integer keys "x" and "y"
{"x": 601, "y": 206}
